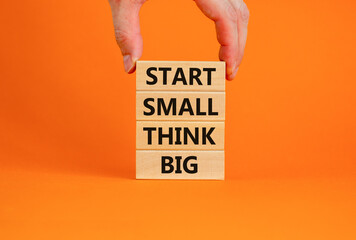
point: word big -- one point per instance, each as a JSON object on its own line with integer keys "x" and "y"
{"x": 167, "y": 164}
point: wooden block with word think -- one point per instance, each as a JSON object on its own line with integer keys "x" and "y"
{"x": 179, "y": 164}
{"x": 188, "y": 106}
{"x": 180, "y": 135}
{"x": 180, "y": 76}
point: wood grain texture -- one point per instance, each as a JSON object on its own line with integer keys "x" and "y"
{"x": 200, "y": 164}
{"x": 180, "y": 140}
{"x": 189, "y": 69}
{"x": 189, "y": 106}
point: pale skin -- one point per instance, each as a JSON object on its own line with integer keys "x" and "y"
{"x": 230, "y": 17}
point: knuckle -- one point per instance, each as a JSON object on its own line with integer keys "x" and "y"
{"x": 122, "y": 37}
{"x": 140, "y": 2}
{"x": 231, "y": 13}
{"x": 245, "y": 12}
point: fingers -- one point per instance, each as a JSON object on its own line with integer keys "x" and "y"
{"x": 125, "y": 15}
{"x": 243, "y": 15}
{"x": 231, "y": 18}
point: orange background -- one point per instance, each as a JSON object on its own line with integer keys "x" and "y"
{"x": 67, "y": 125}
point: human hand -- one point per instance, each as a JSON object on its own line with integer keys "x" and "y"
{"x": 230, "y": 17}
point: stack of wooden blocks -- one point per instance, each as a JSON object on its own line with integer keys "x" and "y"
{"x": 180, "y": 113}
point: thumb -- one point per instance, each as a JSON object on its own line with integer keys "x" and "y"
{"x": 125, "y": 15}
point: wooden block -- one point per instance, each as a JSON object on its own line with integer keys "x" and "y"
{"x": 199, "y": 106}
{"x": 151, "y": 135}
{"x": 180, "y": 76}
{"x": 179, "y": 164}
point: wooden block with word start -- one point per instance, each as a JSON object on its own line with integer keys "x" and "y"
{"x": 180, "y": 76}
{"x": 180, "y": 114}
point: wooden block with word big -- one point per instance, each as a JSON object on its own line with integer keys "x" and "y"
{"x": 180, "y": 164}
{"x": 180, "y": 113}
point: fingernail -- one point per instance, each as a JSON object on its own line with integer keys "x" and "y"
{"x": 232, "y": 72}
{"x": 129, "y": 64}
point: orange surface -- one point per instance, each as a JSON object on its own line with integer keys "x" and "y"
{"x": 67, "y": 125}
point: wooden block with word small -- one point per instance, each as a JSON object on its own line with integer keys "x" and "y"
{"x": 179, "y": 164}
{"x": 180, "y": 120}
{"x": 180, "y": 76}
{"x": 188, "y": 106}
